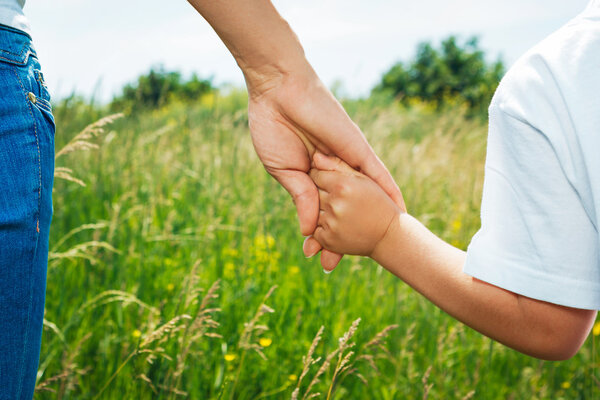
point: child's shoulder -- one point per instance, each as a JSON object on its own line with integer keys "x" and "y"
{"x": 559, "y": 72}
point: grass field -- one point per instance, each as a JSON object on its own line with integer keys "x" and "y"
{"x": 177, "y": 270}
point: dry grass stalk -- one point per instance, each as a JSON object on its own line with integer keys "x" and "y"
{"x": 191, "y": 285}
{"x": 81, "y": 140}
{"x": 173, "y": 390}
{"x": 145, "y": 378}
{"x": 111, "y": 296}
{"x": 343, "y": 359}
{"x": 155, "y": 337}
{"x": 86, "y": 250}
{"x": 341, "y": 365}
{"x": 307, "y": 361}
{"x": 345, "y": 365}
{"x": 167, "y": 328}
{"x": 252, "y": 328}
{"x": 316, "y": 379}
{"x": 200, "y": 326}
{"x": 378, "y": 340}
{"x": 68, "y": 378}
{"x": 45, "y": 385}
{"x": 376, "y": 344}
{"x": 67, "y": 174}
{"x": 73, "y": 232}
{"x": 426, "y": 386}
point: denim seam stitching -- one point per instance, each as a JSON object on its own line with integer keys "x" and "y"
{"x": 13, "y": 61}
{"x": 37, "y": 217}
{"x": 15, "y": 54}
{"x": 43, "y": 104}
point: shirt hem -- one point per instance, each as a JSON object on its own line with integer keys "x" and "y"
{"x": 534, "y": 284}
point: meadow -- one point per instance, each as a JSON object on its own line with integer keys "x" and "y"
{"x": 176, "y": 269}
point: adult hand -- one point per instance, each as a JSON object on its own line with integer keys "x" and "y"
{"x": 291, "y": 112}
{"x": 293, "y": 115}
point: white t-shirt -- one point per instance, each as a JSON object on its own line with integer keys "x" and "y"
{"x": 11, "y": 14}
{"x": 540, "y": 211}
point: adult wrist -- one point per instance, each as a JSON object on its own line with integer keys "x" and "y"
{"x": 268, "y": 73}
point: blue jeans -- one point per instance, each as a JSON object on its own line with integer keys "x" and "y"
{"x": 26, "y": 176}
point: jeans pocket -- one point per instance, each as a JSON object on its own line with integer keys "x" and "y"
{"x": 15, "y": 47}
{"x": 39, "y": 95}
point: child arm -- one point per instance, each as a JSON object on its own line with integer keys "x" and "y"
{"x": 356, "y": 217}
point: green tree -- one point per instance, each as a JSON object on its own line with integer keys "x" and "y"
{"x": 453, "y": 72}
{"x": 157, "y": 88}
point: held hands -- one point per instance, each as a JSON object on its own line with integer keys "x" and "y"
{"x": 291, "y": 116}
{"x": 291, "y": 113}
{"x": 355, "y": 213}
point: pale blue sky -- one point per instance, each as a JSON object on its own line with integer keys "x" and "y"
{"x": 85, "y": 44}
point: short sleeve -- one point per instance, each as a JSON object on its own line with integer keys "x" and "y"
{"x": 536, "y": 238}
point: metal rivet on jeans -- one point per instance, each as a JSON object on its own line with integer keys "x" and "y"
{"x": 32, "y": 97}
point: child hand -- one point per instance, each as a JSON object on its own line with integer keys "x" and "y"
{"x": 355, "y": 213}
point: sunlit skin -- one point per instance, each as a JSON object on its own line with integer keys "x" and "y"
{"x": 291, "y": 113}
{"x": 357, "y": 217}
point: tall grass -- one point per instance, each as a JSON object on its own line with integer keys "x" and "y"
{"x": 176, "y": 270}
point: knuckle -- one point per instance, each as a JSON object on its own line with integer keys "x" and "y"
{"x": 342, "y": 188}
{"x": 297, "y": 196}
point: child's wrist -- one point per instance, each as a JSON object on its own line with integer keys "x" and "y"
{"x": 388, "y": 239}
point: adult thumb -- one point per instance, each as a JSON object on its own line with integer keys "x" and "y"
{"x": 305, "y": 196}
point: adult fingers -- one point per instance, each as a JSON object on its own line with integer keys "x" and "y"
{"x": 376, "y": 170}
{"x": 305, "y": 196}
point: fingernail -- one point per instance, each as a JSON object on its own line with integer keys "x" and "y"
{"x": 327, "y": 272}
{"x": 307, "y": 251}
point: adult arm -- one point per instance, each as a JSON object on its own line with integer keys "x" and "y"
{"x": 291, "y": 113}
{"x": 405, "y": 247}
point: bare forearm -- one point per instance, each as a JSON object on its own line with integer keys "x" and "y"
{"x": 261, "y": 41}
{"x": 434, "y": 269}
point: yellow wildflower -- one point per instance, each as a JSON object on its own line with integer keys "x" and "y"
{"x": 565, "y": 385}
{"x": 229, "y": 270}
{"x": 136, "y": 333}
{"x": 231, "y": 252}
{"x": 230, "y": 357}
{"x": 596, "y": 329}
{"x": 270, "y": 241}
{"x": 456, "y": 243}
{"x": 260, "y": 242}
{"x": 293, "y": 377}
{"x": 170, "y": 287}
{"x": 265, "y": 342}
{"x": 208, "y": 100}
{"x": 294, "y": 269}
{"x": 456, "y": 225}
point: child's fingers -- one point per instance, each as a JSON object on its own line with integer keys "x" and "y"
{"x": 332, "y": 163}
{"x": 323, "y": 200}
{"x": 323, "y": 179}
{"x": 330, "y": 260}
{"x": 311, "y": 246}
{"x": 319, "y": 236}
